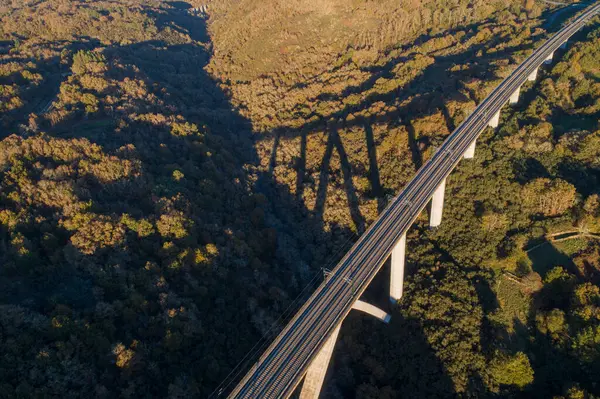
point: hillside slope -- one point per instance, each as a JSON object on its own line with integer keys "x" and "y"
{"x": 170, "y": 182}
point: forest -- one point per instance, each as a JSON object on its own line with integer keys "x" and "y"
{"x": 173, "y": 182}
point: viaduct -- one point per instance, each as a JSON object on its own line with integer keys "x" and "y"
{"x": 304, "y": 347}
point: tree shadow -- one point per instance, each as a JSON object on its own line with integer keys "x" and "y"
{"x": 554, "y": 362}
{"x": 527, "y": 169}
{"x": 567, "y": 121}
{"x": 548, "y": 256}
{"x": 5, "y": 46}
{"x": 585, "y": 179}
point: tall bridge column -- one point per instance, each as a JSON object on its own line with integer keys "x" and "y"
{"x": 533, "y": 75}
{"x": 311, "y": 388}
{"x": 548, "y": 59}
{"x": 495, "y": 120}
{"x": 437, "y": 205}
{"x": 397, "y": 274}
{"x": 514, "y": 98}
{"x": 564, "y": 45}
{"x": 470, "y": 153}
{"x": 315, "y": 375}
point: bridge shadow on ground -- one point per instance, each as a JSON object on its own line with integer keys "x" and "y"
{"x": 395, "y": 363}
{"x": 372, "y": 128}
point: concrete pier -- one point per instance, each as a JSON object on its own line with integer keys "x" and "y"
{"x": 470, "y": 153}
{"x": 397, "y": 270}
{"x": 564, "y": 45}
{"x": 315, "y": 375}
{"x": 437, "y": 205}
{"x": 533, "y": 75}
{"x": 548, "y": 59}
{"x": 514, "y": 98}
{"x": 495, "y": 120}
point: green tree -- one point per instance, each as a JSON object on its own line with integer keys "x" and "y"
{"x": 512, "y": 370}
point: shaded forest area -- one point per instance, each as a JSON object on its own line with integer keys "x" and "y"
{"x": 170, "y": 182}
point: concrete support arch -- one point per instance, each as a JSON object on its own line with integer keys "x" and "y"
{"x": 372, "y": 310}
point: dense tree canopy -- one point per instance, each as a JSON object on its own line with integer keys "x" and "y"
{"x": 171, "y": 180}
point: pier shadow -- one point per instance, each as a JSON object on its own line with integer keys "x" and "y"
{"x": 376, "y": 189}
{"x": 301, "y": 168}
{"x": 415, "y": 151}
{"x": 324, "y": 178}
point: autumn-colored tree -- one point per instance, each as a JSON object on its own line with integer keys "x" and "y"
{"x": 548, "y": 197}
